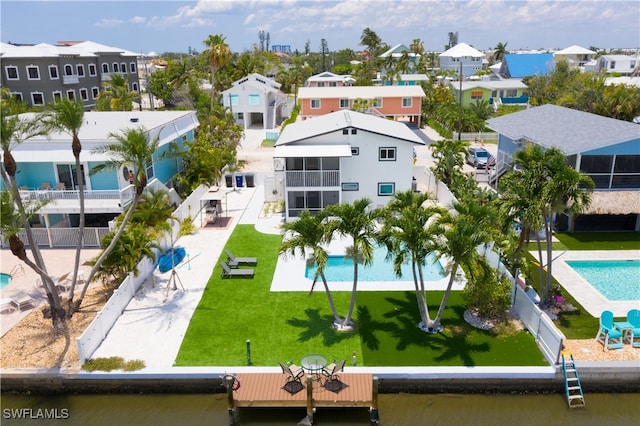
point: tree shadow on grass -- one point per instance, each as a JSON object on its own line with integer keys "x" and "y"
{"x": 316, "y": 325}
{"x": 368, "y": 326}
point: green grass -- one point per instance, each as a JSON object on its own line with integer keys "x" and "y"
{"x": 598, "y": 241}
{"x": 285, "y": 326}
{"x": 268, "y": 143}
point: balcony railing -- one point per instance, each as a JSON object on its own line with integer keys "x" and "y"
{"x": 70, "y": 79}
{"x": 301, "y": 178}
{"x": 125, "y": 195}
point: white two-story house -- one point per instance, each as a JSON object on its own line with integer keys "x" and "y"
{"x": 341, "y": 157}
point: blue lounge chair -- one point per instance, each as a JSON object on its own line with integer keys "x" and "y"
{"x": 633, "y": 318}
{"x": 608, "y": 335}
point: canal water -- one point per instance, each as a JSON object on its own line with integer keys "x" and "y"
{"x": 394, "y": 409}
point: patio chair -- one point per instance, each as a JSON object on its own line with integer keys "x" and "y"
{"x": 45, "y": 186}
{"x": 633, "y": 318}
{"x": 293, "y": 372}
{"x": 331, "y": 371}
{"x": 227, "y": 272}
{"x": 60, "y": 186}
{"x": 608, "y": 335}
{"x": 235, "y": 261}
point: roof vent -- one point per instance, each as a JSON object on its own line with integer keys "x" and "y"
{"x": 134, "y": 119}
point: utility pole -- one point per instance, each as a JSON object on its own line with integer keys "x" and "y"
{"x": 460, "y": 103}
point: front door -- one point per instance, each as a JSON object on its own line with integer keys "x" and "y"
{"x": 67, "y": 175}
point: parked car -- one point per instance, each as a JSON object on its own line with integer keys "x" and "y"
{"x": 478, "y": 157}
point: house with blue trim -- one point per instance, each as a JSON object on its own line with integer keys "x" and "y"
{"x": 495, "y": 92}
{"x": 46, "y": 166}
{"x": 461, "y": 57}
{"x": 520, "y": 65}
{"x": 605, "y": 149}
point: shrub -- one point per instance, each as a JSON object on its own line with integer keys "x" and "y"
{"x": 487, "y": 292}
{"x": 113, "y": 363}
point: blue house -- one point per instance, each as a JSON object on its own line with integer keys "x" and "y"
{"x": 46, "y": 165}
{"x": 520, "y": 65}
{"x": 603, "y": 148}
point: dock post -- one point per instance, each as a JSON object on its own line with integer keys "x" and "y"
{"x": 308, "y": 421}
{"x": 231, "y": 404}
{"x": 374, "y": 416}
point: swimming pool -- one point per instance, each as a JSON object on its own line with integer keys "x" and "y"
{"x": 5, "y": 279}
{"x": 340, "y": 268}
{"x": 614, "y": 279}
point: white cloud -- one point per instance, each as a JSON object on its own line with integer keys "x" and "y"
{"x": 138, "y": 20}
{"x": 108, "y": 23}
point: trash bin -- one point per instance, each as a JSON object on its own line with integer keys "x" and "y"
{"x": 249, "y": 178}
{"x": 239, "y": 181}
{"x": 228, "y": 180}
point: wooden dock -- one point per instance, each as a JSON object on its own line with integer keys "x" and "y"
{"x": 266, "y": 390}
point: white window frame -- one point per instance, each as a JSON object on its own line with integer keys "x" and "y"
{"x": 95, "y": 91}
{"x": 93, "y": 70}
{"x": 333, "y": 84}
{"x": 55, "y": 69}
{"x": 33, "y": 67}
{"x": 57, "y": 96}
{"x": 385, "y": 193}
{"x": 342, "y": 100}
{"x": 80, "y": 70}
{"x": 12, "y": 68}
{"x": 350, "y": 186}
{"x": 134, "y": 86}
{"x": 317, "y": 102}
{"x": 132, "y": 68}
{"x": 65, "y": 68}
{"x": 33, "y": 100}
{"x": 123, "y": 67}
{"x": 355, "y": 150}
{"x": 406, "y": 104}
{"x": 84, "y": 94}
{"x": 18, "y": 96}
{"x": 387, "y": 150}
{"x": 72, "y": 93}
{"x": 115, "y": 67}
{"x": 105, "y": 68}
{"x": 321, "y": 84}
{"x": 377, "y": 103}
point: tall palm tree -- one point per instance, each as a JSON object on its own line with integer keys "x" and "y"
{"x": 469, "y": 225}
{"x": 132, "y": 148}
{"x": 307, "y": 234}
{"x": 408, "y": 232}
{"x": 357, "y": 222}
{"x": 499, "y": 51}
{"x": 116, "y": 95}
{"x": 219, "y": 55}
{"x": 67, "y": 116}
{"x": 449, "y": 159}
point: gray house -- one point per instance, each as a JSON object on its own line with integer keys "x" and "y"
{"x": 42, "y": 73}
{"x": 603, "y": 148}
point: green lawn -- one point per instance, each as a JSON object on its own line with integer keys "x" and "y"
{"x": 285, "y": 326}
{"x": 597, "y": 241}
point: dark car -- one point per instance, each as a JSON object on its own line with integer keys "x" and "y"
{"x": 478, "y": 157}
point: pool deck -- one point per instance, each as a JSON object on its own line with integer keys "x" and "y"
{"x": 590, "y": 298}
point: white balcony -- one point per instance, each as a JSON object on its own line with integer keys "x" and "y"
{"x": 70, "y": 79}
{"x": 316, "y": 178}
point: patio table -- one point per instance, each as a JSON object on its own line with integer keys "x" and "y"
{"x": 627, "y": 330}
{"x": 313, "y": 364}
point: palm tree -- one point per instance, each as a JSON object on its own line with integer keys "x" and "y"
{"x": 116, "y": 95}
{"x": 307, "y": 234}
{"x": 449, "y": 159}
{"x": 132, "y": 148}
{"x": 469, "y": 225}
{"x": 408, "y": 233}
{"x": 499, "y": 51}
{"x": 219, "y": 55}
{"x": 357, "y": 222}
{"x": 67, "y": 116}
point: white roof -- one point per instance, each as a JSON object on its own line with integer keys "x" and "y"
{"x": 462, "y": 49}
{"x": 94, "y": 133}
{"x": 575, "y": 50}
{"x": 364, "y": 92}
{"x": 336, "y": 121}
{"x": 329, "y": 76}
{"x": 489, "y": 84}
{"x": 283, "y": 151}
{"x": 414, "y": 77}
{"x": 45, "y": 50}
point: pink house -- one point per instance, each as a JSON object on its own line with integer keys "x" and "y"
{"x": 396, "y": 102}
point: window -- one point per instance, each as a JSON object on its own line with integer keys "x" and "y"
{"x": 94, "y": 92}
{"x": 407, "y": 102}
{"x": 254, "y": 99}
{"x": 134, "y": 87}
{"x": 132, "y": 67}
{"x": 53, "y": 72}
{"x": 351, "y": 186}
{"x": 494, "y": 93}
{"x": 315, "y": 103}
{"x": 387, "y": 154}
{"x": 345, "y": 131}
{"x": 476, "y": 94}
{"x": 354, "y": 131}
{"x": 37, "y": 98}
{"x": 386, "y": 188}
{"x": 105, "y": 68}
{"x": 234, "y": 99}
{"x": 71, "y": 94}
{"x": 92, "y": 70}
{"x": 333, "y": 84}
{"x": 17, "y": 96}
{"x": 355, "y": 150}
{"x": 344, "y": 103}
{"x": 84, "y": 94}
{"x": 377, "y": 103}
{"x": 240, "y": 116}
{"x": 511, "y": 93}
{"x": 321, "y": 84}
{"x": 33, "y": 72}
{"x": 12, "y": 73}
{"x": 612, "y": 65}
{"x": 57, "y": 96}
{"x": 123, "y": 68}
{"x": 632, "y": 65}
{"x": 115, "y": 67}
{"x": 80, "y": 69}
{"x": 68, "y": 70}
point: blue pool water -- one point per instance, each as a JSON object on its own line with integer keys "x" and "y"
{"x": 614, "y": 279}
{"x": 5, "y": 279}
{"x": 340, "y": 268}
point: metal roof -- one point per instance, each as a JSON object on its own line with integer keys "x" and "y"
{"x": 364, "y": 92}
{"x": 567, "y": 129}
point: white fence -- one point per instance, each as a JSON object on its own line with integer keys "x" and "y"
{"x": 476, "y": 136}
{"x": 97, "y": 331}
{"x": 62, "y": 237}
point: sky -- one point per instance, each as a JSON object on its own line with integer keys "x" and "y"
{"x": 144, "y": 26}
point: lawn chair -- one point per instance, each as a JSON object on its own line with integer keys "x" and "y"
{"x": 227, "y": 272}
{"x": 331, "y": 371}
{"x": 608, "y": 335}
{"x": 235, "y": 261}
{"x": 293, "y": 372}
{"x": 633, "y": 318}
